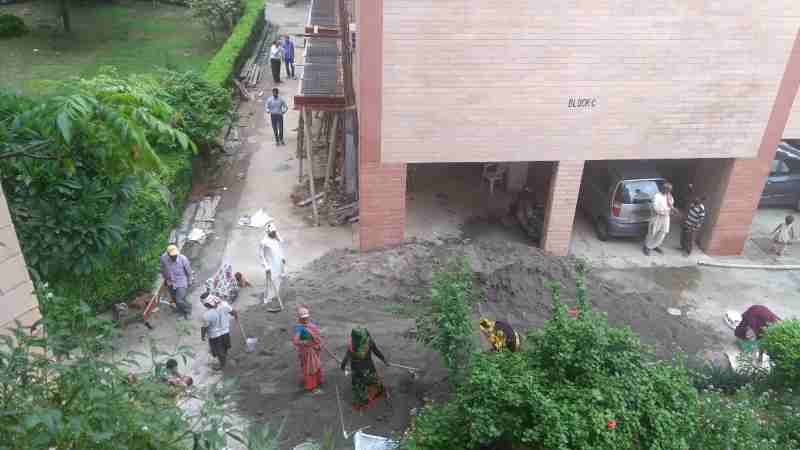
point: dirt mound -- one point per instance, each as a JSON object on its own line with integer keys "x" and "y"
{"x": 345, "y": 288}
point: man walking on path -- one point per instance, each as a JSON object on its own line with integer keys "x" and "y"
{"x": 276, "y": 108}
{"x": 663, "y": 207}
{"x": 695, "y": 217}
{"x": 288, "y": 56}
{"x": 273, "y": 261}
{"x": 177, "y": 273}
{"x": 275, "y": 54}
{"x": 217, "y": 327}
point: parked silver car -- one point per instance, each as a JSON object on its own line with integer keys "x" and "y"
{"x": 617, "y": 197}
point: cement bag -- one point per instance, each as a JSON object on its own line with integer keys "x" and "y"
{"x": 369, "y": 442}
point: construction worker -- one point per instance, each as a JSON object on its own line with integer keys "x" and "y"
{"x": 273, "y": 261}
{"x": 217, "y": 327}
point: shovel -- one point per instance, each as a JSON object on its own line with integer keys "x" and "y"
{"x": 250, "y": 343}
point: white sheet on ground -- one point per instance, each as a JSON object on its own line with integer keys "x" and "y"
{"x": 365, "y": 441}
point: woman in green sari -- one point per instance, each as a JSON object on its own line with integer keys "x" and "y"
{"x": 367, "y": 386}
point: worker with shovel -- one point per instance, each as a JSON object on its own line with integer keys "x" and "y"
{"x": 217, "y": 326}
{"x": 367, "y": 385}
{"x": 270, "y": 252}
{"x": 308, "y": 341}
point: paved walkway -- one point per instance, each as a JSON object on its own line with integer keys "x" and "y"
{"x": 260, "y": 176}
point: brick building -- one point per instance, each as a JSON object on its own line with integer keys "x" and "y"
{"x": 546, "y": 86}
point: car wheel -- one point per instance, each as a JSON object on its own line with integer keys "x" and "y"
{"x": 601, "y": 226}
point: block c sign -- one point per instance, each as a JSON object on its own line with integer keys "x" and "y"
{"x": 582, "y": 103}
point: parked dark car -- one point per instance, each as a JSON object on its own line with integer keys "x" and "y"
{"x": 783, "y": 182}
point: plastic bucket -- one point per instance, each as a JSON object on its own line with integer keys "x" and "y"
{"x": 251, "y": 344}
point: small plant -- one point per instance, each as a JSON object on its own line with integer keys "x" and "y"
{"x": 446, "y": 322}
{"x": 782, "y": 343}
{"x": 11, "y": 26}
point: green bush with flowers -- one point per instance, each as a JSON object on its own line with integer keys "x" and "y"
{"x": 578, "y": 383}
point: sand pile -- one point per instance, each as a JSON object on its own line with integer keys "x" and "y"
{"x": 344, "y": 288}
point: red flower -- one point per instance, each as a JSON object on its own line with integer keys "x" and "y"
{"x": 612, "y": 424}
{"x": 573, "y": 312}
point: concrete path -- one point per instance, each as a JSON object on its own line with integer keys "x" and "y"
{"x": 260, "y": 176}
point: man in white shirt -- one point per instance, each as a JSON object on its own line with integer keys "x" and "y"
{"x": 272, "y": 258}
{"x": 275, "y": 55}
{"x": 217, "y": 326}
{"x": 658, "y": 229}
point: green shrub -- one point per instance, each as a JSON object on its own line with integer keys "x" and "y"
{"x": 11, "y": 26}
{"x": 202, "y": 108}
{"x": 782, "y": 344}
{"x": 579, "y": 383}
{"x": 446, "y": 323}
{"x": 133, "y": 264}
{"x": 239, "y": 45}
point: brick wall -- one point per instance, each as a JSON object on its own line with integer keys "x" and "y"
{"x": 490, "y": 80}
{"x": 565, "y": 184}
{"x": 730, "y": 226}
{"x": 16, "y": 290}
{"x": 381, "y": 187}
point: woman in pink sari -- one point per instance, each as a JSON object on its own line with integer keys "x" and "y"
{"x": 308, "y": 341}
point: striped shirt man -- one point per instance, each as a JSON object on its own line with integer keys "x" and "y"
{"x": 695, "y": 216}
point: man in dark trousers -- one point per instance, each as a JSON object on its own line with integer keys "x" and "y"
{"x": 217, "y": 327}
{"x": 276, "y": 108}
{"x": 275, "y": 56}
{"x": 288, "y": 56}
{"x": 695, "y": 217}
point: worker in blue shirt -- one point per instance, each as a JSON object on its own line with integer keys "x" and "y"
{"x": 288, "y": 56}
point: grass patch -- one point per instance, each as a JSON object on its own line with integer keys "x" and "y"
{"x": 133, "y": 36}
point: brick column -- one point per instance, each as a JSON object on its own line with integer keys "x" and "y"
{"x": 729, "y": 223}
{"x": 565, "y": 183}
{"x": 381, "y": 187}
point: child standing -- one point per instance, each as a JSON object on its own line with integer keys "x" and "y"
{"x": 783, "y": 235}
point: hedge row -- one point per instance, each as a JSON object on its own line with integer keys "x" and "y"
{"x": 238, "y": 46}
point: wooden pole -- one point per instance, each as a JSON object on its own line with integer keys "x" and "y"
{"x": 331, "y": 151}
{"x": 310, "y": 156}
{"x": 300, "y": 140}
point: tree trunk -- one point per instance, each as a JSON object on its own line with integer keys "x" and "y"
{"x": 63, "y": 14}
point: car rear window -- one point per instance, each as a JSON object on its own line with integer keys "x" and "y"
{"x": 639, "y": 192}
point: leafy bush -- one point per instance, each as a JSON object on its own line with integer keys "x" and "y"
{"x": 79, "y": 401}
{"x": 239, "y": 44}
{"x": 134, "y": 263}
{"x": 782, "y": 344}
{"x": 77, "y": 209}
{"x": 202, "y": 108}
{"x": 446, "y": 323}
{"x": 578, "y": 383}
{"x": 11, "y": 26}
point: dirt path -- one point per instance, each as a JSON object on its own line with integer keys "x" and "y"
{"x": 377, "y": 289}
